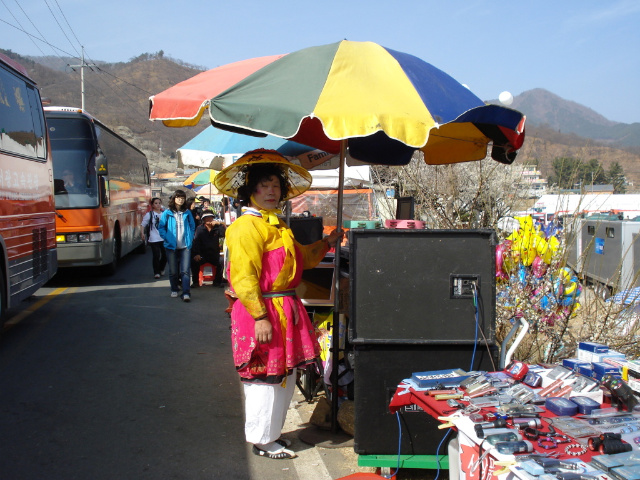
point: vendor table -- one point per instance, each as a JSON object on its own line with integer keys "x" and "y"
{"x": 470, "y": 448}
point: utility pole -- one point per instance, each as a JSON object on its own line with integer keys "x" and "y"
{"x": 82, "y": 66}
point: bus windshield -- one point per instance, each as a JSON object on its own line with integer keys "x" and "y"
{"x": 74, "y": 170}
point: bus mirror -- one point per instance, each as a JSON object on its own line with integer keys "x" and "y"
{"x": 103, "y": 190}
{"x": 101, "y": 163}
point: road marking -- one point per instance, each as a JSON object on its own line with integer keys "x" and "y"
{"x": 309, "y": 463}
{"x": 13, "y": 321}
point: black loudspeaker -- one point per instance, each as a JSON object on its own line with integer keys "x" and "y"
{"x": 377, "y": 371}
{"x": 306, "y": 229}
{"x": 422, "y": 286}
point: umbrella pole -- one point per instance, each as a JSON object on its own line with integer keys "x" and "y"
{"x": 335, "y": 329}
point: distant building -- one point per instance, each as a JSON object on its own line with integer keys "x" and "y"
{"x": 628, "y": 205}
{"x": 531, "y": 180}
{"x": 598, "y": 189}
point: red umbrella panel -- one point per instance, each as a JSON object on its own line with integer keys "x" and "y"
{"x": 183, "y": 104}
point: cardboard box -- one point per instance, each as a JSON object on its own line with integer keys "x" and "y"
{"x": 585, "y": 369}
{"x": 601, "y": 369}
{"x": 447, "y": 378}
{"x": 631, "y": 375}
{"x": 593, "y": 347}
{"x": 573, "y": 363}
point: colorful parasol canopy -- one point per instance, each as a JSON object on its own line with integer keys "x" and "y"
{"x": 200, "y": 178}
{"x": 226, "y": 147}
{"x": 207, "y": 190}
{"x": 385, "y": 103}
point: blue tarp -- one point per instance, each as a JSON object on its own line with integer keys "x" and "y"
{"x": 223, "y": 142}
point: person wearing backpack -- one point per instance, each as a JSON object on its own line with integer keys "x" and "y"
{"x": 151, "y": 237}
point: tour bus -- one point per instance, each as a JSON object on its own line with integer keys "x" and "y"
{"x": 27, "y": 215}
{"x": 102, "y": 190}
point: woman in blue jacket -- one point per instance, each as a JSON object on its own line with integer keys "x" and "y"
{"x": 177, "y": 227}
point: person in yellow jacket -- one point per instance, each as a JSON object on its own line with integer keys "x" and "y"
{"x": 270, "y": 329}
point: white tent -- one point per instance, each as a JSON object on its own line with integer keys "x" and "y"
{"x": 629, "y": 205}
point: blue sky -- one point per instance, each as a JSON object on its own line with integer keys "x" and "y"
{"x": 581, "y": 50}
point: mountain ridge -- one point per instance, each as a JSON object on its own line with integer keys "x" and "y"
{"x": 546, "y": 109}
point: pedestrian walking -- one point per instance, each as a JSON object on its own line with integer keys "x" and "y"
{"x": 177, "y": 228}
{"x": 151, "y": 236}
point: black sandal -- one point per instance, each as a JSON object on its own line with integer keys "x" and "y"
{"x": 283, "y": 454}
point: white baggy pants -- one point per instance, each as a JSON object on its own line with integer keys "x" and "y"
{"x": 266, "y": 410}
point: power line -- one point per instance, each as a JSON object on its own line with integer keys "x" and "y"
{"x": 60, "y": 26}
{"x": 122, "y": 80}
{"x": 67, "y": 22}
{"x": 119, "y": 96}
{"x": 14, "y": 17}
{"x": 39, "y": 39}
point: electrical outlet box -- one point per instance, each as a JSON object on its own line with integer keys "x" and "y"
{"x": 461, "y": 285}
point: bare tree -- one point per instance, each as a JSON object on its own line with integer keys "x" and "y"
{"x": 477, "y": 195}
{"x": 464, "y": 195}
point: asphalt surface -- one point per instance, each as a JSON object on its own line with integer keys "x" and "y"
{"x": 110, "y": 378}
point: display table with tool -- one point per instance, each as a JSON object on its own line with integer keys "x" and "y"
{"x": 543, "y": 437}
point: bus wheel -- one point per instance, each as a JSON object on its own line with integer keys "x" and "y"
{"x": 111, "y": 268}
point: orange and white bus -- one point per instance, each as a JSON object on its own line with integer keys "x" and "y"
{"x": 102, "y": 190}
{"x": 27, "y": 214}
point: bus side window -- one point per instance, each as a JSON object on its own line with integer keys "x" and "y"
{"x": 104, "y": 190}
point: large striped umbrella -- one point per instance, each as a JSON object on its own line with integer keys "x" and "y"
{"x": 207, "y": 190}
{"x": 201, "y": 177}
{"x": 385, "y": 104}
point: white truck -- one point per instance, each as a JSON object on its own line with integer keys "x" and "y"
{"x": 606, "y": 253}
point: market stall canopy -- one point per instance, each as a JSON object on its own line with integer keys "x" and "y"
{"x": 221, "y": 148}
{"x": 208, "y": 190}
{"x": 214, "y": 148}
{"x": 384, "y": 103}
{"x": 201, "y": 177}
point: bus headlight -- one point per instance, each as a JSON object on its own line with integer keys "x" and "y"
{"x": 90, "y": 237}
{"x": 79, "y": 237}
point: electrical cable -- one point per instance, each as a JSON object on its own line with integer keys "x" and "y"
{"x": 484, "y": 337}
{"x": 38, "y": 38}
{"x": 67, "y": 22}
{"x": 438, "y": 453}
{"x": 475, "y": 343}
{"x": 122, "y": 80}
{"x": 118, "y": 95}
{"x": 399, "y": 445}
{"x": 15, "y": 18}
{"x": 61, "y": 29}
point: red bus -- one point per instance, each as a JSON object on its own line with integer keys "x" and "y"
{"x": 28, "y": 257}
{"x": 102, "y": 190}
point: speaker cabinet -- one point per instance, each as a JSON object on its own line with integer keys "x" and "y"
{"x": 306, "y": 229}
{"x": 377, "y": 371}
{"x": 422, "y": 286}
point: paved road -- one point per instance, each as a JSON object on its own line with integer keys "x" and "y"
{"x": 110, "y": 378}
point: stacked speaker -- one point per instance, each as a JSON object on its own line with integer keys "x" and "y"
{"x": 420, "y": 300}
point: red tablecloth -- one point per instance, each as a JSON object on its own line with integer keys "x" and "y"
{"x": 406, "y": 396}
